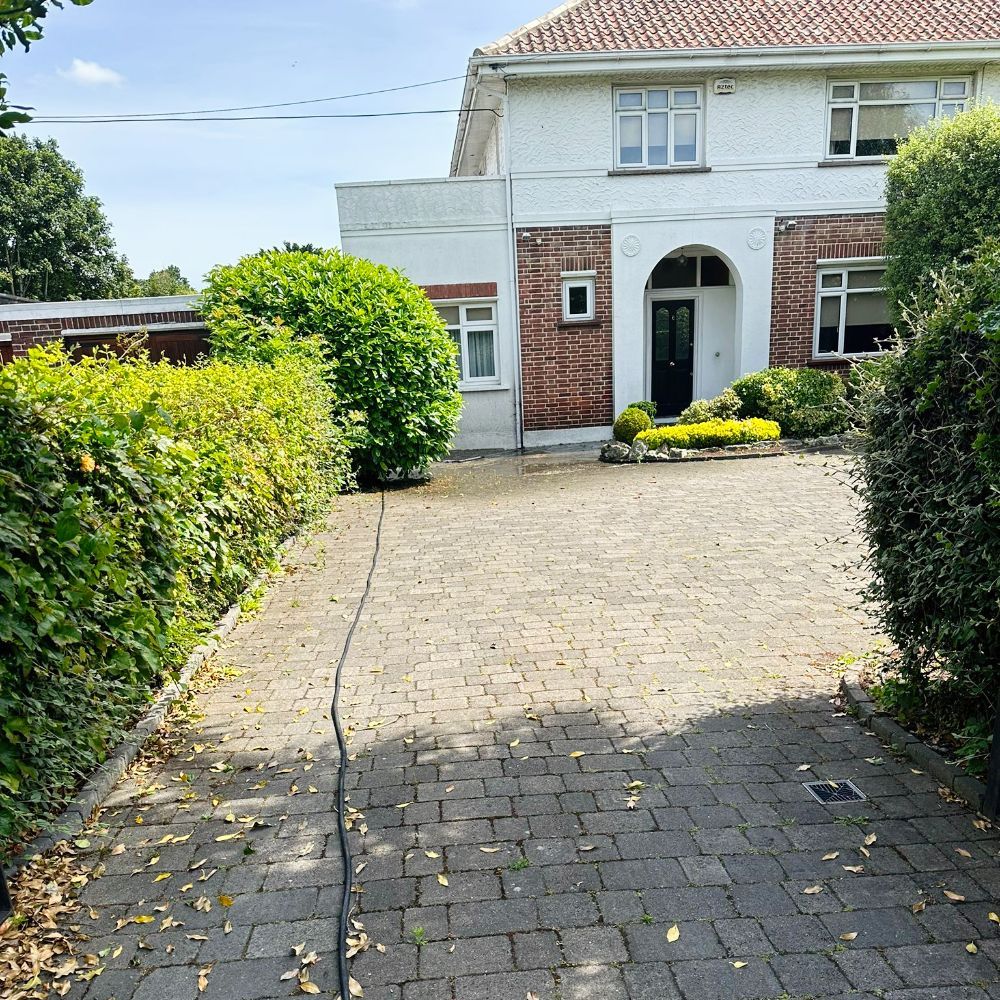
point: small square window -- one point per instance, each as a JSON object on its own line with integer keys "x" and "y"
{"x": 629, "y": 99}
{"x": 578, "y": 298}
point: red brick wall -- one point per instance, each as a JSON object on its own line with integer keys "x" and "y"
{"x": 27, "y": 333}
{"x": 566, "y": 367}
{"x": 475, "y": 290}
{"x": 796, "y": 251}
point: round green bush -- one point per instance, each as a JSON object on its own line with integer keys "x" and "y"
{"x": 725, "y": 406}
{"x": 806, "y": 402}
{"x": 390, "y": 357}
{"x": 929, "y": 483}
{"x": 942, "y": 193}
{"x": 630, "y": 422}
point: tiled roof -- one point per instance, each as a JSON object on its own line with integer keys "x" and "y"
{"x": 636, "y": 25}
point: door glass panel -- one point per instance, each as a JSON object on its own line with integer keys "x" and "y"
{"x": 481, "y": 361}
{"x": 685, "y": 138}
{"x": 829, "y": 325}
{"x": 899, "y": 91}
{"x": 880, "y": 125}
{"x": 867, "y": 323}
{"x": 841, "y": 123}
{"x": 682, "y": 350}
{"x": 658, "y": 139}
{"x": 661, "y": 338}
{"x": 658, "y": 99}
{"x": 630, "y": 139}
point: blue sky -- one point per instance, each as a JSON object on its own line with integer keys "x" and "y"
{"x": 201, "y": 194}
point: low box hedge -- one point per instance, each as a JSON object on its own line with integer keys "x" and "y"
{"x": 137, "y": 500}
{"x": 710, "y": 434}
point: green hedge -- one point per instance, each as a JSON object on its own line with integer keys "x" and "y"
{"x": 136, "y": 501}
{"x": 929, "y": 482}
{"x": 725, "y": 406}
{"x": 390, "y": 358}
{"x": 805, "y": 402}
{"x": 711, "y": 434}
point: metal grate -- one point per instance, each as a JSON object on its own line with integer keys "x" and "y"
{"x": 833, "y": 792}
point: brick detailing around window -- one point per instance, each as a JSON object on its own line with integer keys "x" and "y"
{"x": 476, "y": 290}
{"x": 565, "y": 367}
{"x": 796, "y": 251}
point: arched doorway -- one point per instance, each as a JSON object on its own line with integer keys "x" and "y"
{"x": 691, "y": 303}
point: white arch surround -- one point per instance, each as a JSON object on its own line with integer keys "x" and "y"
{"x": 639, "y": 245}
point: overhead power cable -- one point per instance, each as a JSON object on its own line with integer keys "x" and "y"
{"x": 260, "y": 118}
{"x": 258, "y": 107}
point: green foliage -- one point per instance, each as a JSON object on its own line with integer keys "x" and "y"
{"x": 711, "y": 434}
{"x": 55, "y": 241}
{"x": 630, "y": 422}
{"x": 20, "y": 24}
{"x": 725, "y": 406}
{"x": 942, "y": 193}
{"x": 929, "y": 483}
{"x": 167, "y": 281}
{"x": 646, "y": 405}
{"x": 389, "y": 354}
{"x": 136, "y": 501}
{"x": 806, "y": 402}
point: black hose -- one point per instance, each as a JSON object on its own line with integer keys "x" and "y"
{"x": 345, "y": 847}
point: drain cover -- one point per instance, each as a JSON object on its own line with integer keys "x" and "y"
{"x": 832, "y": 792}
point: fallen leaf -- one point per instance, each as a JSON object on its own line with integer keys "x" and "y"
{"x": 442, "y": 880}
{"x": 994, "y": 918}
{"x": 162, "y": 877}
{"x": 578, "y": 753}
{"x": 955, "y": 897}
{"x": 738, "y": 965}
{"x": 962, "y": 852}
{"x": 434, "y": 854}
{"x": 225, "y": 901}
{"x": 308, "y": 987}
{"x": 673, "y": 934}
{"x": 355, "y": 987}
{"x": 490, "y": 850}
{"x": 971, "y": 948}
{"x": 203, "y": 975}
{"x": 514, "y": 743}
{"x": 919, "y": 907}
{"x": 853, "y": 869}
{"x": 832, "y": 856}
{"x": 813, "y": 890}
{"x": 849, "y": 937}
{"x": 291, "y": 974}
{"x": 804, "y": 767}
{"x": 870, "y": 839}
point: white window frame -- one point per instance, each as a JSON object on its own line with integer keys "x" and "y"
{"x": 671, "y": 111}
{"x": 855, "y": 104}
{"x": 464, "y": 328}
{"x": 580, "y": 279}
{"x": 843, "y": 268}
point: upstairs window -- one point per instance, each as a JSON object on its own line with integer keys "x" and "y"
{"x": 658, "y": 127}
{"x": 866, "y": 119}
{"x": 473, "y": 327}
{"x": 852, "y": 313}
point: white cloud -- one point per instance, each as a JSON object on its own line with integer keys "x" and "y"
{"x": 91, "y": 74}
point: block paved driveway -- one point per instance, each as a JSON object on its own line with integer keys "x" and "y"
{"x": 581, "y": 697}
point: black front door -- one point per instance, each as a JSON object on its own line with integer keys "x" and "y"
{"x": 673, "y": 356}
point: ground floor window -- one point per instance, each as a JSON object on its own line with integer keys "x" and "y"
{"x": 578, "y": 297}
{"x": 473, "y": 326}
{"x": 852, "y": 314}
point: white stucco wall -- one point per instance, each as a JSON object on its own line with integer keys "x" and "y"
{"x": 438, "y": 233}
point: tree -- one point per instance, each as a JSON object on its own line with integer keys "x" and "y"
{"x": 55, "y": 241}
{"x": 942, "y": 194}
{"x": 20, "y": 24}
{"x": 167, "y": 281}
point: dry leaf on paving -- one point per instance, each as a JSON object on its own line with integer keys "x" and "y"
{"x": 673, "y": 934}
{"x": 203, "y": 975}
{"x": 955, "y": 897}
{"x": 813, "y": 890}
{"x": 870, "y": 839}
{"x": 355, "y": 987}
{"x": 490, "y": 850}
{"x": 291, "y": 974}
{"x": 578, "y": 753}
{"x": 308, "y": 987}
{"x": 738, "y": 965}
{"x": 919, "y": 907}
{"x": 962, "y": 852}
{"x": 854, "y": 869}
{"x": 849, "y": 937}
{"x": 971, "y": 948}
{"x": 832, "y": 856}
{"x": 434, "y": 854}
{"x": 442, "y": 880}
{"x": 804, "y": 767}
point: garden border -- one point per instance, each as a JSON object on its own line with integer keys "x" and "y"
{"x": 884, "y": 726}
{"x": 101, "y": 783}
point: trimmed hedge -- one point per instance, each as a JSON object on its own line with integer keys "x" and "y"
{"x": 929, "y": 483}
{"x": 711, "y": 434}
{"x": 390, "y": 357}
{"x": 630, "y": 422}
{"x": 646, "y": 405}
{"x": 137, "y": 500}
{"x": 725, "y": 406}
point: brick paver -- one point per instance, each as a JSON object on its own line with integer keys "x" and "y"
{"x": 581, "y": 696}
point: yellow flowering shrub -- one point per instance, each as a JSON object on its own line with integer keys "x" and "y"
{"x": 711, "y": 434}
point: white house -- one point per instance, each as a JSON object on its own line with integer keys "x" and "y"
{"x": 649, "y": 198}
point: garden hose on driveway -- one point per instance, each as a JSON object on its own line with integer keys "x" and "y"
{"x": 345, "y": 848}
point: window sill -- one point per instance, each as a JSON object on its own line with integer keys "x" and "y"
{"x": 481, "y": 387}
{"x": 841, "y": 359}
{"x": 875, "y": 161}
{"x": 647, "y": 171}
{"x": 576, "y": 323}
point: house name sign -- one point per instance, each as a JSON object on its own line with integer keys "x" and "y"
{"x": 725, "y": 85}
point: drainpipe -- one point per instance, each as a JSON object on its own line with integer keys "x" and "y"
{"x": 514, "y": 284}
